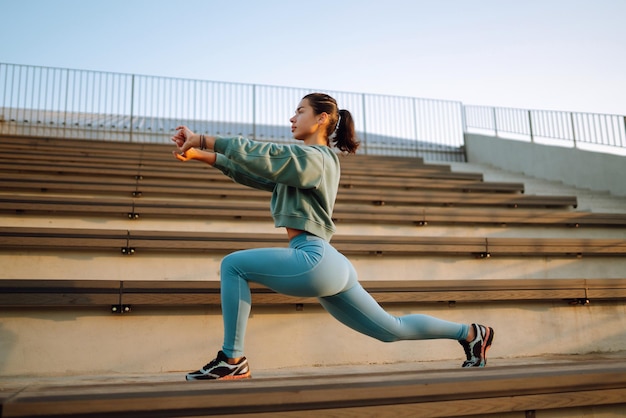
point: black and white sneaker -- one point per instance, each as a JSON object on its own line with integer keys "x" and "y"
{"x": 476, "y": 350}
{"x": 220, "y": 369}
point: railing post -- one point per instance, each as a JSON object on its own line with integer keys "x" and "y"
{"x": 463, "y": 130}
{"x": 364, "y": 124}
{"x": 571, "y": 118}
{"x": 254, "y": 111}
{"x": 463, "y": 118}
{"x": 530, "y": 127}
{"x": 67, "y": 98}
{"x": 416, "y": 136}
{"x": 132, "y": 104}
{"x": 495, "y": 123}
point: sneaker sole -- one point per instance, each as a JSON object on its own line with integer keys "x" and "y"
{"x": 237, "y": 377}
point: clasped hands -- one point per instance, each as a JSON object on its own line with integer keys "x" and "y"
{"x": 188, "y": 143}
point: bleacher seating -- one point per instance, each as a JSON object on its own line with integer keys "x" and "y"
{"x": 91, "y": 199}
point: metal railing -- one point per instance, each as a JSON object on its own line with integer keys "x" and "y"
{"x": 57, "y": 102}
{"x": 578, "y": 130}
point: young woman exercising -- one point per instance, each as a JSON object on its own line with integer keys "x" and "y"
{"x": 303, "y": 179}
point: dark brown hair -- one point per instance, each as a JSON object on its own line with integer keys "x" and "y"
{"x": 340, "y": 123}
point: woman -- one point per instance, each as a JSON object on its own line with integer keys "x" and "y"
{"x": 303, "y": 180}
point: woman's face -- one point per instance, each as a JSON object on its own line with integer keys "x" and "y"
{"x": 305, "y": 123}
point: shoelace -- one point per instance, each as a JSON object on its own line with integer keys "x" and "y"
{"x": 212, "y": 364}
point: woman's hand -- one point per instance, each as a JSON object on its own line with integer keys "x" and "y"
{"x": 195, "y": 154}
{"x": 190, "y": 154}
{"x": 188, "y": 142}
{"x": 185, "y": 138}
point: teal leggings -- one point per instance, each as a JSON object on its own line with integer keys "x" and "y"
{"x": 311, "y": 267}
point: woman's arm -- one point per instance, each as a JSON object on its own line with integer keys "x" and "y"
{"x": 185, "y": 140}
{"x": 296, "y": 166}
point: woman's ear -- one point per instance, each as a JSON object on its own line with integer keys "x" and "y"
{"x": 322, "y": 118}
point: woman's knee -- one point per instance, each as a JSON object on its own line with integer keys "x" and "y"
{"x": 228, "y": 266}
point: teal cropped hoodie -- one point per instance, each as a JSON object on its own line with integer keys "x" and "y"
{"x": 303, "y": 179}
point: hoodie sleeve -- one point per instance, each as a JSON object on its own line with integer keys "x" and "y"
{"x": 242, "y": 176}
{"x": 292, "y": 165}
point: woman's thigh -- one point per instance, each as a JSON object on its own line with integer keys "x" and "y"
{"x": 313, "y": 269}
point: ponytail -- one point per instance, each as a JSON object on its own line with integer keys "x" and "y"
{"x": 344, "y": 137}
{"x": 340, "y": 122}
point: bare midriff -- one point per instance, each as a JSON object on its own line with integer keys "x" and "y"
{"x": 292, "y": 233}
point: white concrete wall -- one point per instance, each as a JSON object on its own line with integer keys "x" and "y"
{"x": 574, "y": 167}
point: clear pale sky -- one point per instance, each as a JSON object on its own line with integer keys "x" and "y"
{"x": 538, "y": 54}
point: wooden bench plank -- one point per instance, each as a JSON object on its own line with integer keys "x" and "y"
{"x": 348, "y": 213}
{"x": 521, "y": 216}
{"x": 83, "y": 207}
{"x": 399, "y": 197}
{"x": 351, "y": 165}
{"x": 70, "y": 169}
{"x": 55, "y": 293}
{"x": 347, "y": 181}
{"x": 407, "y": 291}
{"x": 148, "y": 188}
{"x": 350, "y": 181}
{"x": 59, "y": 239}
{"x": 61, "y": 160}
{"x": 423, "y": 393}
{"x": 156, "y": 154}
{"x": 155, "y": 151}
{"x": 162, "y": 152}
{"x": 60, "y": 184}
{"x": 85, "y": 150}
{"x": 577, "y": 246}
{"x": 61, "y": 293}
